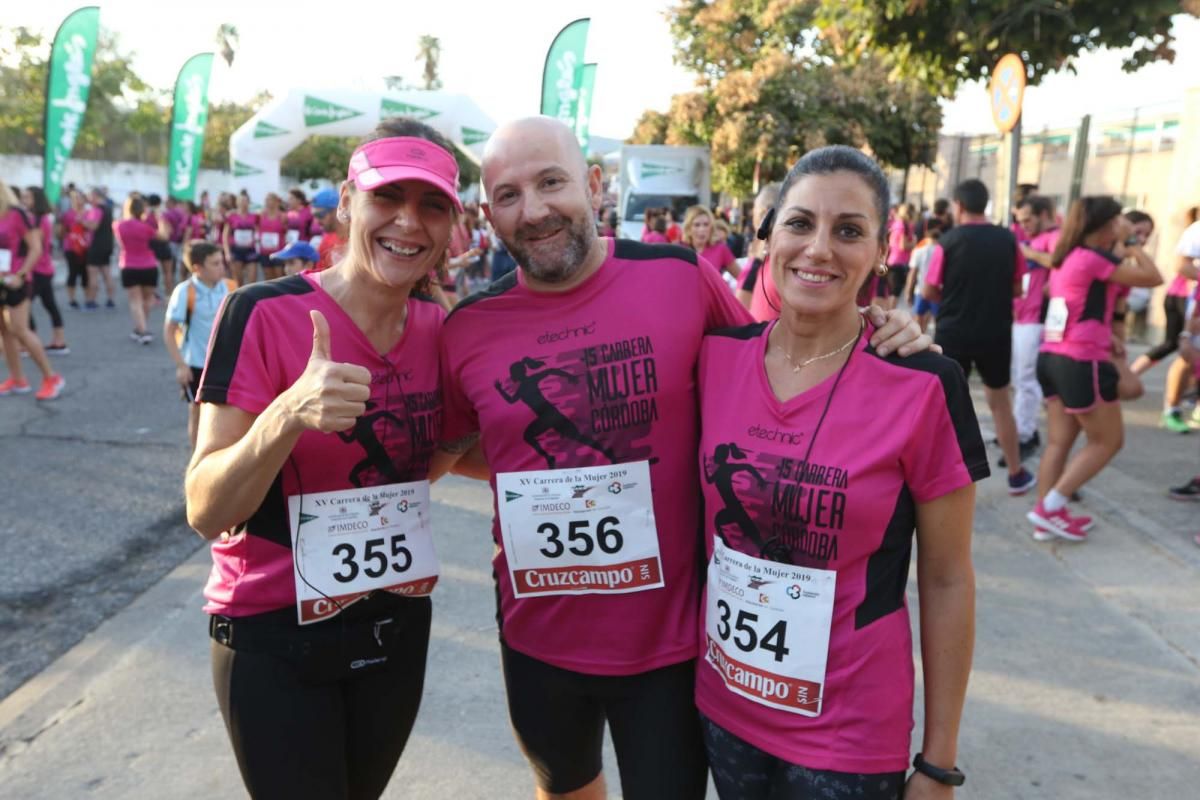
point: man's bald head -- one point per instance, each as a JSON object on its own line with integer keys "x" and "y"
{"x": 542, "y": 139}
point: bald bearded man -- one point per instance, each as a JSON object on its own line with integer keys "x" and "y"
{"x": 579, "y": 369}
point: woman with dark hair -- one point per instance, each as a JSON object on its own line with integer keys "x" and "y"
{"x": 34, "y": 199}
{"x": 299, "y": 217}
{"x": 98, "y": 220}
{"x": 1094, "y": 258}
{"x": 808, "y": 687}
{"x": 319, "y": 589}
{"x": 237, "y": 239}
{"x": 139, "y": 264}
{"x": 20, "y": 248}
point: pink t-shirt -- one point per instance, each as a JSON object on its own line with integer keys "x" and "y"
{"x": 1027, "y": 309}
{"x": 76, "y": 237}
{"x": 719, "y": 255}
{"x": 898, "y": 232}
{"x": 45, "y": 262}
{"x": 272, "y": 225}
{"x": 196, "y": 227}
{"x": 851, "y": 509}
{"x": 765, "y": 301}
{"x": 13, "y": 226}
{"x": 1019, "y": 231}
{"x": 176, "y": 218}
{"x": 300, "y": 220}
{"x": 259, "y": 347}
{"x": 1178, "y": 286}
{"x": 1083, "y": 282}
{"x": 240, "y": 222}
{"x": 631, "y": 389}
{"x": 654, "y": 237}
{"x": 134, "y": 235}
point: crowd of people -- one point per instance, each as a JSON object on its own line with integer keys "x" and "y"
{"x": 522, "y": 342}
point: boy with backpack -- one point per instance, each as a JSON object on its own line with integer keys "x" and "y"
{"x": 191, "y": 313}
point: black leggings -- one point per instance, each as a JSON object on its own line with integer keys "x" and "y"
{"x": 297, "y": 738}
{"x": 76, "y": 269}
{"x": 741, "y": 771}
{"x": 43, "y": 289}
{"x": 1176, "y": 310}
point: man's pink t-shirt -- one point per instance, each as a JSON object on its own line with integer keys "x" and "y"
{"x": 134, "y": 235}
{"x": 719, "y": 255}
{"x": 632, "y": 361}
{"x": 898, "y": 232}
{"x": 1019, "y": 231}
{"x": 1083, "y": 282}
{"x": 851, "y": 509}
{"x": 260, "y": 345}
{"x": 45, "y": 263}
{"x": 1027, "y": 309}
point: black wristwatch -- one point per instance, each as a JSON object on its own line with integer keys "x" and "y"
{"x": 947, "y": 777}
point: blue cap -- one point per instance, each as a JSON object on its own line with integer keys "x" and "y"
{"x": 302, "y": 250}
{"x": 325, "y": 200}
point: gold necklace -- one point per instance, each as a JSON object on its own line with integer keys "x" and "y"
{"x": 797, "y": 367}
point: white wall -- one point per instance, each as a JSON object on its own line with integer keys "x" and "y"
{"x": 119, "y": 177}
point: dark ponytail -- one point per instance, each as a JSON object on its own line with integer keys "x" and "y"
{"x": 1087, "y": 215}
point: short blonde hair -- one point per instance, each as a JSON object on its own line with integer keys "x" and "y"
{"x": 690, "y": 217}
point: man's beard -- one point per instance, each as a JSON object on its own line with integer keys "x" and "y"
{"x": 565, "y": 262}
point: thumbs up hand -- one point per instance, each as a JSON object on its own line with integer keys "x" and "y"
{"x": 329, "y": 396}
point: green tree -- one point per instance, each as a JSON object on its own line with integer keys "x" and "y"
{"x": 651, "y": 128}
{"x": 943, "y": 44}
{"x": 223, "y": 120}
{"x": 429, "y": 52}
{"x": 320, "y": 157}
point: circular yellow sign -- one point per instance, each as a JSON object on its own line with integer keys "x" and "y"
{"x": 1007, "y": 90}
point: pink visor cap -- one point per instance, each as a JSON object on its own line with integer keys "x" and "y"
{"x": 400, "y": 158}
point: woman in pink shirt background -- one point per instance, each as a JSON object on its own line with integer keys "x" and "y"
{"x": 34, "y": 199}
{"x": 699, "y": 232}
{"x": 1094, "y": 258}
{"x": 76, "y": 238}
{"x": 139, "y": 264}
{"x": 900, "y": 246}
{"x": 238, "y": 240}
{"x": 299, "y": 217}
{"x": 272, "y": 226}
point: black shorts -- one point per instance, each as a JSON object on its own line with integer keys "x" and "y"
{"x": 1080, "y": 385}
{"x": 324, "y": 710}
{"x": 99, "y": 257}
{"x": 247, "y": 255}
{"x": 161, "y": 249}
{"x": 994, "y": 361}
{"x": 193, "y": 388}
{"x": 897, "y": 278}
{"x": 12, "y": 298}
{"x": 558, "y": 716}
{"x": 139, "y": 276}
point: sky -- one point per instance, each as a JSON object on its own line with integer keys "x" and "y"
{"x": 495, "y": 52}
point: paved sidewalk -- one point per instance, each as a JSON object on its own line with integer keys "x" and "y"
{"x": 1086, "y": 681}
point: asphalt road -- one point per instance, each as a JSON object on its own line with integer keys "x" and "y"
{"x": 1087, "y": 670}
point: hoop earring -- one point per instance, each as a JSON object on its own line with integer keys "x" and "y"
{"x": 881, "y": 270}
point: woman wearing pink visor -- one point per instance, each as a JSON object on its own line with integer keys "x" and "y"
{"x": 311, "y": 473}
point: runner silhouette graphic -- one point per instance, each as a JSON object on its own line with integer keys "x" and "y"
{"x": 722, "y": 476}
{"x": 377, "y": 456}
{"x": 548, "y": 418}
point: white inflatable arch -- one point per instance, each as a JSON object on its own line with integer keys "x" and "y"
{"x": 256, "y": 148}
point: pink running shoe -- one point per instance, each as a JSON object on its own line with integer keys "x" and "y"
{"x": 1060, "y": 523}
{"x": 13, "y": 387}
{"x": 51, "y": 387}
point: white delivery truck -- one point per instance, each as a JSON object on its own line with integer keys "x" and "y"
{"x": 660, "y": 176}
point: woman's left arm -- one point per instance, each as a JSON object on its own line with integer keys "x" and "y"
{"x": 946, "y": 589}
